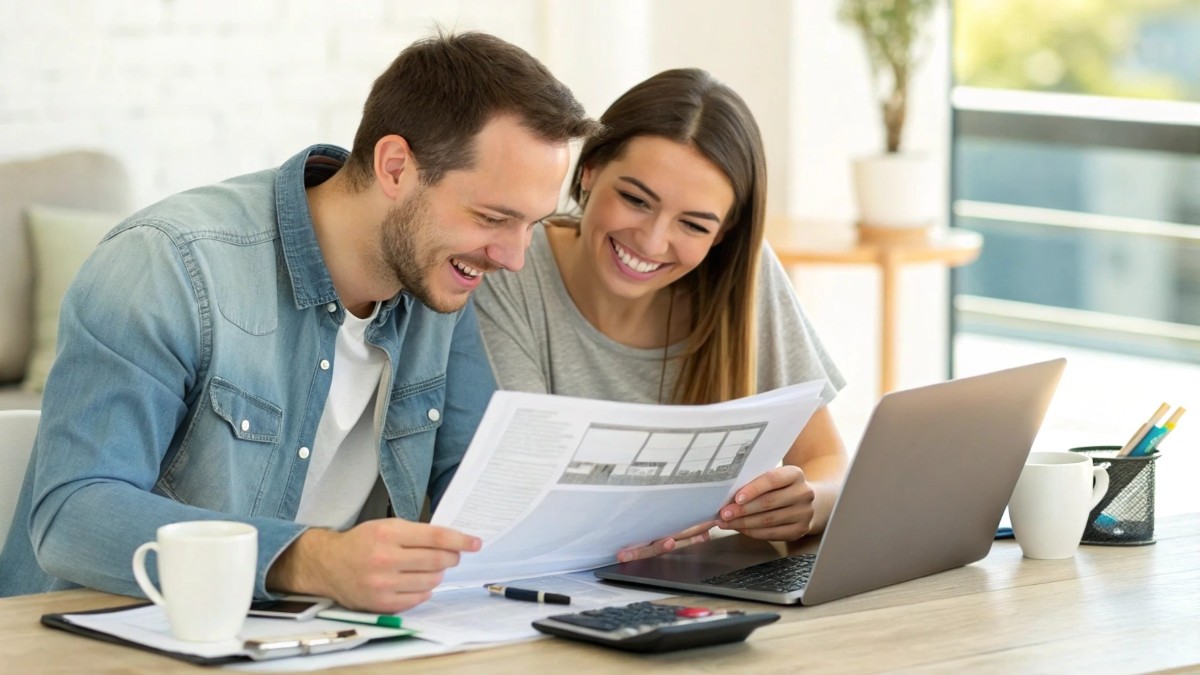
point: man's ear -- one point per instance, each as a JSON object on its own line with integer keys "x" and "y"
{"x": 394, "y": 164}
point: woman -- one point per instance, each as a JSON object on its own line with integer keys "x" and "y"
{"x": 652, "y": 294}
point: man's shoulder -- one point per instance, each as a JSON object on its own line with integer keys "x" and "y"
{"x": 240, "y": 209}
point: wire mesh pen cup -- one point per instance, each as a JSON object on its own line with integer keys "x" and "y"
{"x": 1125, "y": 516}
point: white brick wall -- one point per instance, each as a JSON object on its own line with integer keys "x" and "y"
{"x": 187, "y": 92}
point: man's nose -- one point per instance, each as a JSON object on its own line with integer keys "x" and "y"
{"x": 508, "y": 251}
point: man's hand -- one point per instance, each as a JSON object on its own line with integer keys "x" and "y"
{"x": 692, "y": 535}
{"x": 385, "y": 566}
{"x": 777, "y": 506}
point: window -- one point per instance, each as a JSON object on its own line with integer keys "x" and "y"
{"x": 1076, "y": 153}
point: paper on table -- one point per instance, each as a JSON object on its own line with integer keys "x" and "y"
{"x": 468, "y": 615}
{"x": 469, "y": 618}
{"x": 557, "y": 484}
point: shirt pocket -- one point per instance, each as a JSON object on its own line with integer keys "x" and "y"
{"x": 225, "y": 460}
{"x": 416, "y": 407}
{"x": 249, "y": 417}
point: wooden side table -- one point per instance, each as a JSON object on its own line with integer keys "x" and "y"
{"x": 840, "y": 245}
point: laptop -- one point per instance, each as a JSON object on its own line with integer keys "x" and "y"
{"x": 923, "y": 494}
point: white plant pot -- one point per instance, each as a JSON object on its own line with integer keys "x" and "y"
{"x": 896, "y": 190}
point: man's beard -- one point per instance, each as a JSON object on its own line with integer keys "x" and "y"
{"x": 406, "y": 235}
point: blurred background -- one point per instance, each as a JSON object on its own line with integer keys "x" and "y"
{"x": 1066, "y": 132}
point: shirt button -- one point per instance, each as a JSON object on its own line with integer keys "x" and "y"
{"x": 332, "y": 307}
{"x": 304, "y": 453}
{"x": 434, "y": 414}
{"x": 245, "y": 425}
{"x": 324, "y": 364}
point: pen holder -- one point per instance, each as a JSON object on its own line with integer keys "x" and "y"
{"x": 1125, "y": 516}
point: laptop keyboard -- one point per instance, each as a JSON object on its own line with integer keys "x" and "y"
{"x": 782, "y": 575}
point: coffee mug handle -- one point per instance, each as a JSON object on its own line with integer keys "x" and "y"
{"x": 1099, "y": 486}
{"x": 143, "y": 579}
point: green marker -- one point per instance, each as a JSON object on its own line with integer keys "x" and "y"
{"x": 385, "y": 620}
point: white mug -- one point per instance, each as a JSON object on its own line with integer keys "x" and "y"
{"x": 207, "y": 570}
{"x": 1051, "y": 502}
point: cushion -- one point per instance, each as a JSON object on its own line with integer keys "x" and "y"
{"x": 61, "y": 240}
{"x": 80, "y": 179}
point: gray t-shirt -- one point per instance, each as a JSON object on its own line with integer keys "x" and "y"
{"x": 538, "y": 341}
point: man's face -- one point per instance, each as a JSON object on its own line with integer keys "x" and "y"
{"x": 442, "y": 239}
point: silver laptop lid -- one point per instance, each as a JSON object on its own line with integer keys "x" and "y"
{"x": 924, "y": 492}
{"x": 929, "y": 483}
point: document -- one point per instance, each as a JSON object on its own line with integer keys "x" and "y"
{"x": 558, "y": 484}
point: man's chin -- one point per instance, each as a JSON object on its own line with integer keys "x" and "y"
{"x": 443, "y": 304}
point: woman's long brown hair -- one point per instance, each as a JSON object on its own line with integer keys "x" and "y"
{"x": 692, "y": 107}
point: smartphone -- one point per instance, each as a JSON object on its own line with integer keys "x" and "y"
{"x": 299, "y": 608}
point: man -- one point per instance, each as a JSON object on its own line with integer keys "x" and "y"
{"x": 294, "y": 348}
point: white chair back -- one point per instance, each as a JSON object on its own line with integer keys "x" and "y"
{"x": 17, "y": 429}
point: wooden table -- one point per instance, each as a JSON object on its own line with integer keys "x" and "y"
{"x": 1109, "y": 609}
{"x": 826, "y": 244}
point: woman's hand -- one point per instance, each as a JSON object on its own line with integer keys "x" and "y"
{"x": 692, "y": 535}
{"x": 777, "y": 506}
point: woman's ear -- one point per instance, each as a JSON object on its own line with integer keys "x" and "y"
{"x": 587, "y": 178}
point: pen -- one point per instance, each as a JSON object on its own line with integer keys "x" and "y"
{"x": 528, "y": 595}
{"x": 1142, "y": 431}
{"x": 387, "y": 620}
{"x": 1155, "y": 436}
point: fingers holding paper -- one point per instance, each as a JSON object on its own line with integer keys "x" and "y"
{"x": 387, "y": 565}
{"x": 778, "y": 506}
{"x": 692, "y": 535}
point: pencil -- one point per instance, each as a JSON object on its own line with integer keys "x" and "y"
{"x": 1143, "y": 430}
{"x": 1174, "y": 418}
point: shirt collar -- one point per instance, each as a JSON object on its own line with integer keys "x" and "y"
{"x": 311, "y": 283}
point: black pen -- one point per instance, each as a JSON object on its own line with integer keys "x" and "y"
{"x": 528, "y": 595}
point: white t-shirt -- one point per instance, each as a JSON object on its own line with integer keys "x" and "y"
{"x": 344, "y": 464}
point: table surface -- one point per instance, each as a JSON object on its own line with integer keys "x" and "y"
{"x": 1109, "y": 609}
{"x": 840, "y": 244}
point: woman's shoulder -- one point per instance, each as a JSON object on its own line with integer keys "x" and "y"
{"x": 772, "y": 277}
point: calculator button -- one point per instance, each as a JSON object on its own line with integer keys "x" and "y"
{"x": 692, "y": 612}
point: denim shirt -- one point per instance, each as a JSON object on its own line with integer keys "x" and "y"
{"x": 196, "y": 350}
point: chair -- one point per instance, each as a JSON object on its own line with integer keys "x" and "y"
{"x": 17, "y": 429}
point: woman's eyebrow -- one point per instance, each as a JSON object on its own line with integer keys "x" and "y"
{"x": 642, "y": 186}
{"x": 706, "y": 215}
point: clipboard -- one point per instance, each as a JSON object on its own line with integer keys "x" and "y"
{"x": 144, "y": 626}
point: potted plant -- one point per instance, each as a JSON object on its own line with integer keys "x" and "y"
{"x": 894, "y": 189}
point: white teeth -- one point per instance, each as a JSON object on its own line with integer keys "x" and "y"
{"x": 633, "y": 263}
{"x": 467, "y": 270}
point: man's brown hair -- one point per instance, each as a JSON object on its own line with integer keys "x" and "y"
{"x": 441, "y": 91}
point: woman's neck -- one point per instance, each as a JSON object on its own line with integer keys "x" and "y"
{"x": 634, "y": 322}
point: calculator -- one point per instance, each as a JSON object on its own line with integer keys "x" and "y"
{"x": 647, "y": 627}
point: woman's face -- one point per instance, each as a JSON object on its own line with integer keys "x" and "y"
{"x": 652, "y": 215}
